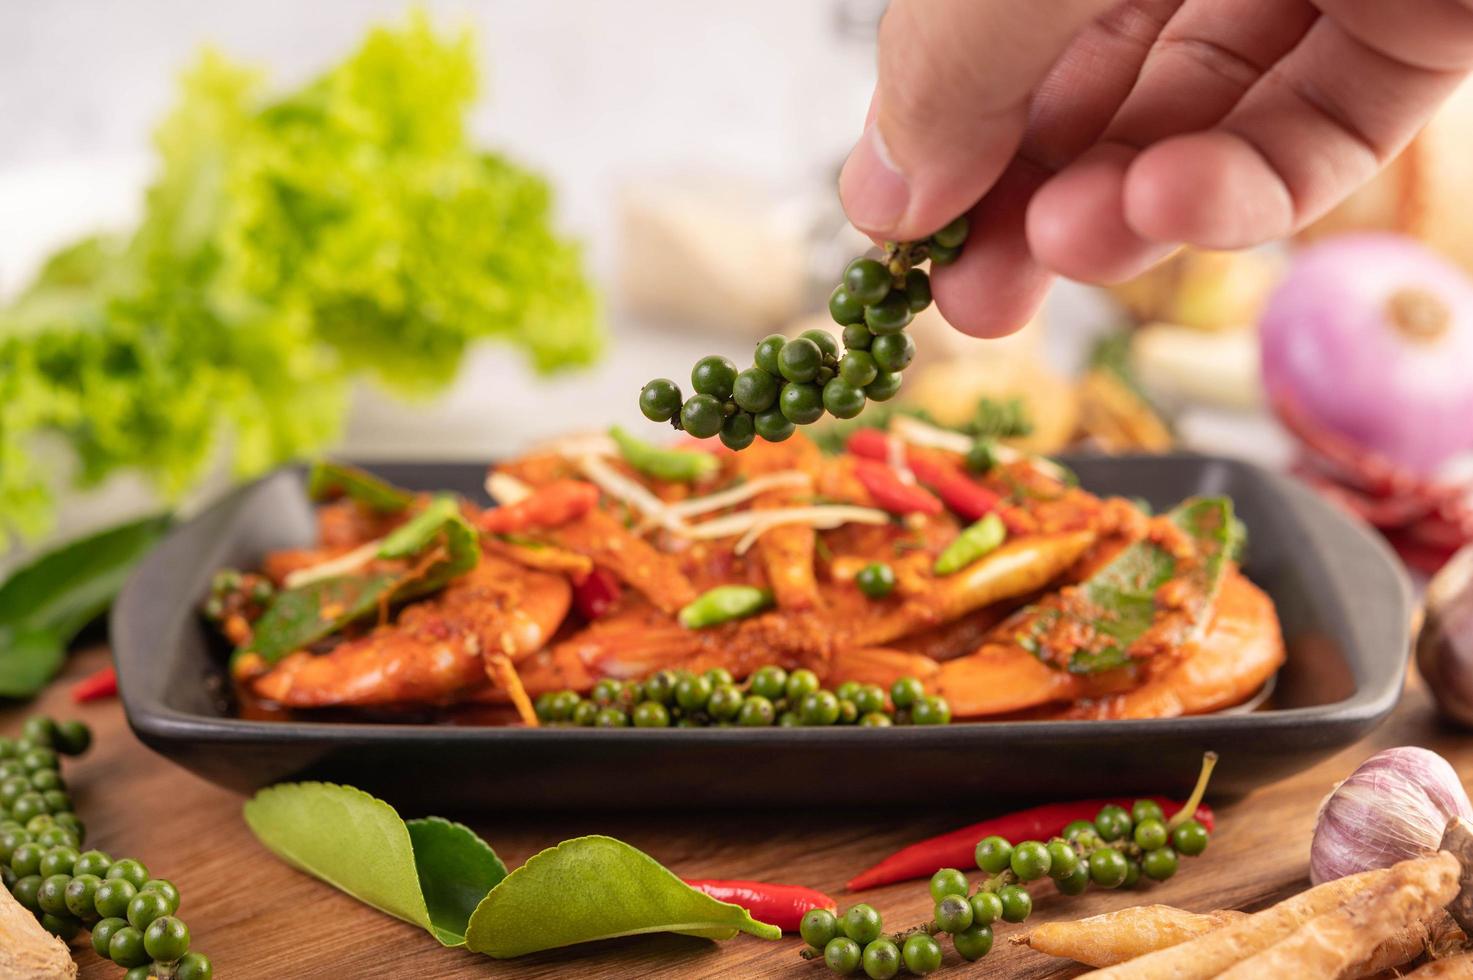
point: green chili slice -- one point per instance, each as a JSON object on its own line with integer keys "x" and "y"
{"x": 973, "y": 543}
{"x": 724, "y": 604}
{"x": 675, "y": 465}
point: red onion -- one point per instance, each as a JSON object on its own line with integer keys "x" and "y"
{"x": 1395, "y": 806}
{"x": 1371, "y": 336}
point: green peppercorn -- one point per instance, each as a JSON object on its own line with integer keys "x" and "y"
{"x": 772, "y": 425}
{"x": 1076, "y": 881}
{"x": 954, "y": 234}
{"x": 1190, "y": 838}
{"x": 942, "y": 255}
{"x": 918, "y": 289}
{"x": 947, "y": 881}
{"x": 1030, "y": 860}
{"x": 870, "y": 699}
{"x": 38, "y": 730}
{"x": 801, "y": 404}
{"x": 974, "y": 942}
{"x": 1150, "y": 834}
{"x": 1159, "y": 864}
{"x": 767, "y": 351}
{"x": 884, "y": 387}
{"x": 843, "y": 400}
{"x": 857, "y": 367}
{"x": 755, "y": 390}
{"x": 660, "y": 400}
{"x": 713, "y": 375}
{"x": 889, "y": 316}
{"x": 788, "y": 719}
{"x": 906, "y": 691}
{"x": 861, "y": 923}
{"x": 1075, "y": 828}
{"x": 1107, "y": 868}
{"x": 982, "y": 457}
{"x": 144, "y": 907}
{"x": 986, "y": 908}
{"x": 993, "y": 854}
{"x": 725, "y": 703}
{"x": 770, "y": 682}
{"x": 39, "y": 758}
{"x": 651, "y": 714}
{"x": 564, "y": 703}
{"x": 102, "y": 933}
{"x": 80, "y": 894}
{"x": 112, "y": 897}
{"x": 25, "y": 860}
{"x": 847, "y": 691}
{"x": 817, "y": 927}
{"x": 893, "y": 352}
{"x": 827, "y": 345}
{"x": 1143, "y": 810}
{"x": 194, "y": 966}
{"x": 692, "y": 693}
{"x": 125, "y": 947}
{"x": 611, "y": 718}
{"x": 1063, "y": 859}
{"x": 166, "y": 939}
{"x": 1017, "y": 904}
{"x": 10, "y": 840}
{"x": 953, "y": 913}
{"x": 756, "y": 712}
{"x": 881, "y": 959}
{"x": 738, "y": 431}
{"x": 876, "y": 580}
{"x": 702, "y": 416}
{"x": 931, "y": 710}
{"x": 24, "y": 890}
{"x": 842, "y": 955}
{"x": 875, "y": 719}
{"x": 63, "y": 927}
{"x": 58, "y": 861}
{"x": 800, "y": 682}
{"x": 165, "y": 886}
{"x": 867, "y": 280}
{"x": 660, "y": 687}
{"x": 844, "y": 307}
{"x": 921, "y": 953}
{"x": 799, "y": 360}
{"x": 51, "y": 896}
{"x": 857, "y": 337}
{"x": 43, "y": 780}
{"x": 585, "y": 714}
{"x": 819, "y": 708}
{"x": 1112, "y": 823}
{"x": 1132, "y": 873}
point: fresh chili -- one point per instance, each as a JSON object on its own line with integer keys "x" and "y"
{"x": 780, "y": 905}
{"x": 724, "y": 604}
{"x": 596, "y": 594}
{"x": 973, "y": 543}
{"x": 892, "y": 493}
{"x": 97, "y": 685}
{"x": 677, "y": 465}
{"x": 962, "y": 494}
{"x": 956, "y": 849}
{"x": 551, "y": 505}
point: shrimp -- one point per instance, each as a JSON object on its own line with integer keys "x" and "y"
{"x": 1240, "y": 651}
{"x": 437, "y": 648}
{"x": 632, "y": 559}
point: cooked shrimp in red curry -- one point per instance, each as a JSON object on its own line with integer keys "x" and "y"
{"x": 988, "y": 577}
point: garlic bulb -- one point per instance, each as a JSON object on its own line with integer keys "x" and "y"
{"x": 1394, "y": 807}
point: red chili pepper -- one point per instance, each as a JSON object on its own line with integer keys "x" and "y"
{"x": 965, "y": 496}
{"x": 551, "y": 505}
{"x": 892, "y": 493}
{"x": 96, "y": 686}
{"x": 779, "y": 905}
{"x": 596, "y": 594}
{"x": 957, "y": 849}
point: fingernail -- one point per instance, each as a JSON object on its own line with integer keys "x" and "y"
{"x": 875, "y": 194}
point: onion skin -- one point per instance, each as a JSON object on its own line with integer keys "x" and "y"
{"x": 1371, "y": 336}
{"x": 1394, "y": 807}
{"x": 1445, "y": 644}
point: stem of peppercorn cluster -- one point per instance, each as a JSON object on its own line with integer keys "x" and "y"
{"x": 1189, "y": 808}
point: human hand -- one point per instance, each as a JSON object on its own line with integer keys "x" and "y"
{"x": 1090, "y": 138}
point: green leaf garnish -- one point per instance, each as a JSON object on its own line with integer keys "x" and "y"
{"x": 328, "y": 479}
{"x": 1119, "y": 600}
{"x": 46, "y": 603}
{"x": 593, "y": 888}
{"x": 304, "y": 614}
{"x": 440, "y": 876}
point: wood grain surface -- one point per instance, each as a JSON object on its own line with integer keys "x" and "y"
{"x": 259, "y": 918}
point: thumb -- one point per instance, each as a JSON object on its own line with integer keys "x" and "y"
{"x": 955, "y": 79}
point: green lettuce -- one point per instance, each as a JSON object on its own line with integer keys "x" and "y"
{"x": 289, "y": 242}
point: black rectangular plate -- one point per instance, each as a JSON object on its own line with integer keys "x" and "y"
{"x": 1344, "y": 601}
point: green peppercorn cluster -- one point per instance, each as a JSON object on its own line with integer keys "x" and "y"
{"x": 235, "y": 592}
{"x": 1114, "y": 850}
{"x": 794, "y": 382}
{"x": 771, "y": 696}
{"x": 130, "y": 913}
{"x": 856, "y": 940}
